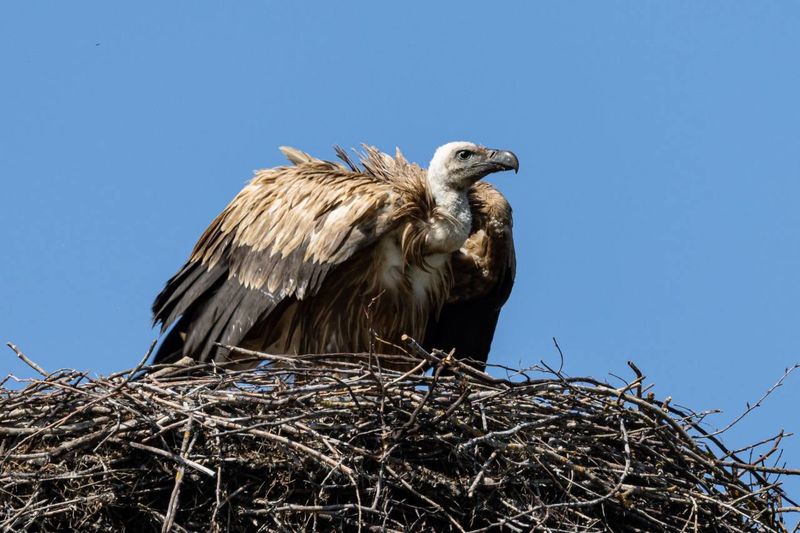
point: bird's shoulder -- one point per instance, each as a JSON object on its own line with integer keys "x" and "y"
{"x": 489, "y": 207}
{"x": 486, "y": 263}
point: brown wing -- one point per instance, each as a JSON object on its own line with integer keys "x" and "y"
{"x": 276, "y": 241}
{"x": 483, "y": 275}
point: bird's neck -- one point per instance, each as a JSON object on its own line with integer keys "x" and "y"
{"x": 451, "y": 220}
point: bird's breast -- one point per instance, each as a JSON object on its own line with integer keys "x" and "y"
{"x": 430, "y": 280}
{"x": 423, "y": 280}
{"x": 391, "y": 263}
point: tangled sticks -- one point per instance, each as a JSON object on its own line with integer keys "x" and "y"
{"x": 318, "y": 443}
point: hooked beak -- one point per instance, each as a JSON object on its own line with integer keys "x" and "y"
{"x": 501, "y": 160}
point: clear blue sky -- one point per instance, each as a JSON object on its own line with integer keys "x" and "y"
{"x": 657, "y": 208}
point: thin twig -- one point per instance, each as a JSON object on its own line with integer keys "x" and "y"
{"x": 756, "y": 405}
{"x": 27, "y": 361}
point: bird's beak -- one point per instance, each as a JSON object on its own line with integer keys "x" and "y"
{"x": 503, "y": 160}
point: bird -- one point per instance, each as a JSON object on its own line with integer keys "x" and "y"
{"x": 329, "y": 256}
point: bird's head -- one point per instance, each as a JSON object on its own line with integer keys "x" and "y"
{"x": 457, "y": 165}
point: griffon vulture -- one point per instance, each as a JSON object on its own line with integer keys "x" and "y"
{"x": 318, "y": 257}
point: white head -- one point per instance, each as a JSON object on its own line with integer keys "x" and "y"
{"x": 457, "y": 165}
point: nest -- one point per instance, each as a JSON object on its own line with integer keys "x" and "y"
{"x": 324, "y": 443}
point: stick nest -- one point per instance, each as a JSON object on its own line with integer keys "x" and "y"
{"x": 324, "y": 443}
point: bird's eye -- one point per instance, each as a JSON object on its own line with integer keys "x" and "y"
{"x": 463, "y": 154}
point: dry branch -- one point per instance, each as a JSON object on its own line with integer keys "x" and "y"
{"x": 316, "y": 443}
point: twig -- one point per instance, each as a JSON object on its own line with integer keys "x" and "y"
{"x": 28, "y": 361}
{"x": 174, "y": 457}
{"x": 172, "y": 507}
{"x": 756, "y": 405}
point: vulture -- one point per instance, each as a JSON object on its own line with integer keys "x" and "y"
{"x": 326, "y": 257}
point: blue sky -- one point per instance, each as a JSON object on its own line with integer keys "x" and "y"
{"x": 656, "y": 211}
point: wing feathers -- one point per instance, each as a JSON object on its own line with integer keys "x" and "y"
{"x": 183, "y": 290}
{"x": 296, "y": 156}
{"x": 226, "y": 317}
{"x": 277, "y": 240}
{"x": 175, "y": 289}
